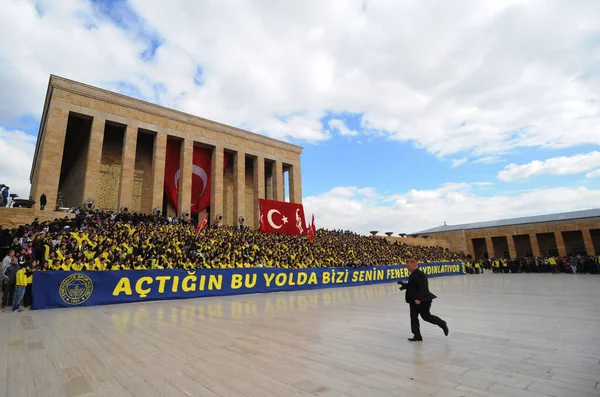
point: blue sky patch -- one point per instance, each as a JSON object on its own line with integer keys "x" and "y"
{"x": 120, "y": 13}
{"x": 199, "y": 76}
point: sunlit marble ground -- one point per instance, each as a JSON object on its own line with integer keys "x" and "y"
{"x": 510, "y": 335}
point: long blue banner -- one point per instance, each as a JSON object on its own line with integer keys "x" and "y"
{"x": 68, "y": 289}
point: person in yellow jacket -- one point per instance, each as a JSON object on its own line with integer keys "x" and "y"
{"x": 28, "y": 298}
{"x": 21, "y": 284}
{"x": 77, "y": 266}
{"x": 66, "y": 265}
{"x": 100, "y": 264}
{"x": 553, "y": 265}
{"x": 56, "y": 264}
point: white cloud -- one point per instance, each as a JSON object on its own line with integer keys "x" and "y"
{"x": 593, "y": 174}
{"x": 454, "y": 203}
{"x": 352, "y": 191}
{"x": 16, "y": 155}
{"x": 458, "y": 162}
{"x": 462, "y": 79}
{"x": 555, "y": 166}
{"x": 462, "y": 76}
{"x": 488, "y": 160}
{"x": 341, "y": 127}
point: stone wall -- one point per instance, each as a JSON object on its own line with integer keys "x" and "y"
{"x": 461, "y": 240}
{"x": 455, "y": 240}
{"x": 14, "y": 217}
{"x": 425, "y": 242}
{"x": 110, "y": 169}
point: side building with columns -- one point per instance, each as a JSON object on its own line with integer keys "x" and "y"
{"x": 110, "y": 148}
{"x": 560, "y": 234}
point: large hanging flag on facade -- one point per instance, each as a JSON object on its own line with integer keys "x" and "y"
{"x": 201, "y": 175}
{"x": 172, "y": 162}
{"x": 281, "y": 217}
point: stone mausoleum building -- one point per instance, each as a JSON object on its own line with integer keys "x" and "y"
{"x": 98, "y": 145}
{"x": 567, "y": 233}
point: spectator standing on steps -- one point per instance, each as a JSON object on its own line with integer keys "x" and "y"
{"x": 6, "y": 261}
{"x": 43, "y": 201}
{"x": 20, "y": 284}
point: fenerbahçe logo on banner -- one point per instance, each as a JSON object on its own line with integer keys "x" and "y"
{"x": 76, "y": 289}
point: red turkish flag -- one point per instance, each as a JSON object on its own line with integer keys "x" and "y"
{"x": 281, "y": 217}
{"x": 172, "y": 162}
{"x": 310, "y": 234}
{"x": 202, "y": 225}
{"x": 201, "y": 178}
{"x": 312, "y": 230}
{"x": 201, "y": 175}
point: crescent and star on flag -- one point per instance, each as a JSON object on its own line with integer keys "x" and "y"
{"x": 196, "y": 170}
{"x": 284, "y": 219}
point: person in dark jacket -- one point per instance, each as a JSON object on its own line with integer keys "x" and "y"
{"x": 10, "y": 277}
{"x": 419, "y": 298}
{"x": 5, "y": 240}
{"x": 43, "y": 201}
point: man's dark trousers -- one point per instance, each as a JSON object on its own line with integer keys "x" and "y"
{"x": 8, "y": 293}
{"x": 423, "y": 310}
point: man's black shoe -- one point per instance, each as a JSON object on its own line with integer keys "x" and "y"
{"x": 413, "y": 339}
{"x": 445, "y": 328}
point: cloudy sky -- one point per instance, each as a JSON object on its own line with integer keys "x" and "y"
{"x": 411, "y": 113}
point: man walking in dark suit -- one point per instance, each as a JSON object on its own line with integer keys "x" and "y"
{"x": 419, "y": 298}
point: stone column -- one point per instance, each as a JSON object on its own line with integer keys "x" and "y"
{"x": 259, "y": 187}
{"x": 269, "y": 187}
{"x": 49, "y": 161}
{"x": 239, "y": 186}
{"x": 278, "y": 188}
{"x": 184, "y": 190}
{"x": 158, "y": 168}
{"x": 470, "y": 246}
{"x": 588, "y": 241}
{"x": 295, "y": 184}
{"x": 94, "y": 159}
{"x": 512, "y": 250}
{"x": 216, "y": 190}
{"x": 535, "y": 246}
{"x": 490, "y": 247}
{"x": 560, "y": 243}
{"x": 128, "y": 164}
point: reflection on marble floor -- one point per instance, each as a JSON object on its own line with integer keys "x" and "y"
{"x": 510, "y": 335}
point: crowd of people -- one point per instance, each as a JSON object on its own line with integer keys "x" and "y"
{"x": 106, "y": 241}
{"x": 103, "y": 241}
{"x": 573, "y": 264}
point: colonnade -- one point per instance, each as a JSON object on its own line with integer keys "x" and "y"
{"x": 46, "y": 176}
